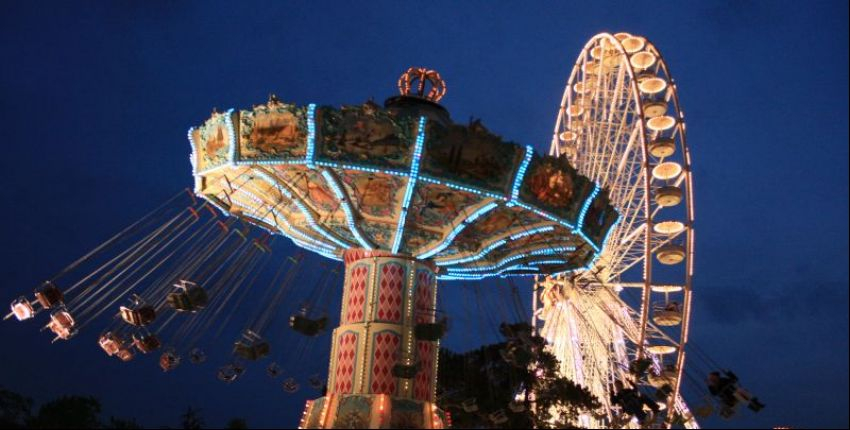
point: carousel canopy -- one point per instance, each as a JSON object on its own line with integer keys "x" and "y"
{"x": 401, "y": 178}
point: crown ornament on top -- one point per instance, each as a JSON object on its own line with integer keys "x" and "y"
{"x": 415, "y": 81}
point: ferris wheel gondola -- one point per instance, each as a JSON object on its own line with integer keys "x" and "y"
{"x": 620, "y": 124}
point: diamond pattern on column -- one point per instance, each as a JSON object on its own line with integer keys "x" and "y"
{"x": 356, "y": 294}
{"x": 386, "y": 349}
{"x": 422, "y": 385}
{"x": 390, "y": 299}
{"x": 423, "y": 301}
{"x": 345, "y": 362}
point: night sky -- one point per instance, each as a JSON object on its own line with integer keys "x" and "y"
{"x": 96, "y": 101}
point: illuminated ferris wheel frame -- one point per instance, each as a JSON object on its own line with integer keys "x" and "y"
{"x": 621, "y": 124}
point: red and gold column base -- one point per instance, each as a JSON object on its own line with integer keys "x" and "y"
{"x": 372, "y": 411}
{"x": 380, "y": 374}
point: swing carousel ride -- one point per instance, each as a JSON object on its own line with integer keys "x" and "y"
{"x": 404, "y": 197}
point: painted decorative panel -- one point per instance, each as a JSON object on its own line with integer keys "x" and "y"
{"x": 391, "y": 287}
{"x": 386, "y": 350}
{"x": 375, "y": 195}
{"x": 365, "y": 135}
{"x": 346, "y": 362}
{"x": 354, "y": 412}
{"x": 437, "y": 206}
{"x": 274, "y": 130}
{"x": 422, "y": 388}
{"x": 599, "y": 218}
{"x": 423, "y": 303}
{"x": 380, "y": 233}
{"x": 406, "y": 414}
{"x": 553, "y": 185}
{"x": 356, "y": 302}
{"x": 416, "y": 239}
{"x": 471, "y": 155}
{"x": 212, "y": 142}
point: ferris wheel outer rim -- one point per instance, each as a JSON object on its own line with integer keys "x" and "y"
{"x": 688, "y": 180}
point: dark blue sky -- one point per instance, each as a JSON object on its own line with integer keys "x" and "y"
{"x": 96, "y": 101}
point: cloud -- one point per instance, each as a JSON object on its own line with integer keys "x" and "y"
{"x": 768, "y": 302}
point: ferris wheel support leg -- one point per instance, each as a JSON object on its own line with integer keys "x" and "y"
{"x": 380, "y": 375}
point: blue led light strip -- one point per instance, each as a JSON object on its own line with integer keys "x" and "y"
{"x": 539, "y": 262}
{"x": 596, "y": 256}
{"x": 520, "y": 174}
{"x": 456, "y": 231}
{"x": 311, "y": 134}
{"x": 308, "y": 215}
{"x": 492, "y": 267}
{"x": 346, "y": 207}
{"x": 462, "y": 187}
{"x": 361, "y": 168}
{"x": 411, "y": 184}
{"x": 495, "y": 245}
{"x": 194, "y": 155}
{"x": 586, "y": 206}
{"x": 531, "y": 231}
{"x": 501, "y": 273}
{"x": 475, "y": 257}
{"x": 231, "y": 131}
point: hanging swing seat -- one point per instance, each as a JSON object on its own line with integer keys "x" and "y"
{"x": 307, "y": 326}
{"x": 125, "y": 354}
{"x": 316, "y": 382}
{"x": 252, "y": 346}
{"x": 169, "y": 360}
{"x": 49, "y": 295}
{"x": 197, "y": 356}
{"x": 146, "y": 343}
{"x": 62, "y": 324}
{"x": 273, "y": 370}
{"x": 189, "y": 297}
{"x": 22, "y": 309}
{"x": 431, "y": 332}
{"x": 110, "y": 343}
{"x": 405, "y": 371}
{"x": 230, "y": 372}
{"x": 139, "y": 315}
{"x": 290, "y": 386}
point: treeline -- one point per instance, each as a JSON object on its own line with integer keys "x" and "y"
{"x": 80, "y": 412}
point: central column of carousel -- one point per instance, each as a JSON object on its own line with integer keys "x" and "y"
{"x": 381, "y": 375}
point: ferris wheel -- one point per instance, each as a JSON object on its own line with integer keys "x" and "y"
{"x": 626, "y": 318}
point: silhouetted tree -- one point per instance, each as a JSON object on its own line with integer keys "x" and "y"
{"x": 123, "y": 424}
{"x": 237, "y": 424}
{"x": 15, "y": 410}
{"x": 77, "y": 412}
{"x": 191, "y": 420}
{"x": 518, "y": 372}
